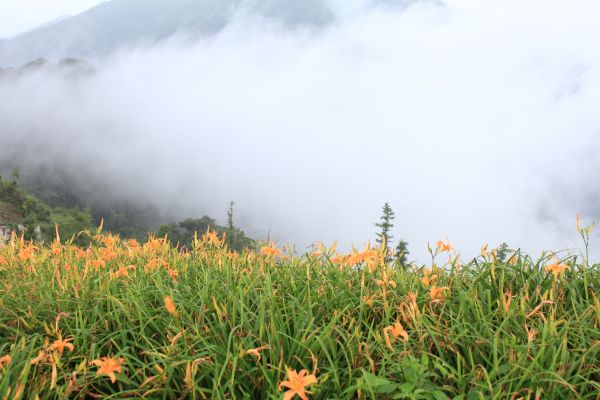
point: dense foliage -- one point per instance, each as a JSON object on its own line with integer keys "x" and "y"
{"x": 60, "y": 187}
{"x": 60, "y": 200}
{"x": 33, "y": 212}
{"x": 181, "y": 234}
{"x": 125, "y": 320}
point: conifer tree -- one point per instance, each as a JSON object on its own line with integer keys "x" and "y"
{"x": 230, "y": 225}
{"x": 231, "y": 230}
{"x": 384, "y": 237}
{"x": 502, "y": 253}
{"x": 402, "y": 253}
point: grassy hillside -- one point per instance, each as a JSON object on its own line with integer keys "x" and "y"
{"x": 124, "y": 320}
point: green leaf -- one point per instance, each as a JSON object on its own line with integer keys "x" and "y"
{"x": 439, "y": 395}
{"x": 407, "y": 387}
{"x": 378, "y": 384}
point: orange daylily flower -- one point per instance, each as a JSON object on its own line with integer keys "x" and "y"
{"x": 396, "y": 330}
{"x": 108, "y": 366}
{"x": 108, "y": 254}
{"x": 367, "y": 255}
{"x": 557, "y": 268}
{"x": 297, "y": 383}
{"x": 170, "y": 304}
{"x": 40, "y": 357}
{"x": 256, "y": 352}
{"x": 173, "y": 274}
{"x": 60, "y": 345}
{"x": 271, "y": 251}
{"x": 436, "y": 293}
{"x": 337, "y": 258}
{"x": 152, "y": 265}
{"x": 428, "y": 280}
{"x": 81, "y": 254}
{"x": 429, "y": 276}
{"x": 56, "y": 248}
{"x": 444, "y": 246}
{"x": 122, "y": 272}
{"x": 5, "y": 361}
{"x": 110, "y": 240}
{"x": 96, "y": 263}
{"x": 132, "y": 243}
{"x": 27, "y": 252}
{"x": 154, "y": 244}
{"x": 213, "y": 238}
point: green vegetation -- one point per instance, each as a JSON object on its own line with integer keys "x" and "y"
{"x": 401, "y": 253}
{"x": 207, "y": 323}
{"x": 61, "y": 188}
{"x": 182, "y": 234}
{"x": 384, "y": 237}
{"x": 54, "y": 203}
{"x": 71, "y": 223}
{"x": 31, "y": 212}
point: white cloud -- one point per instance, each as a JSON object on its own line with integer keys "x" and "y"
{"x": 468, "y": 119}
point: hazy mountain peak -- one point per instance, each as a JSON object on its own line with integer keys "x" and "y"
{"x": 121, "y": 23}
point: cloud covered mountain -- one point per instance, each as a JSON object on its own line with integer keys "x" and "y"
{"x": 476, "y": 121}
{"x": 121, "y": 24}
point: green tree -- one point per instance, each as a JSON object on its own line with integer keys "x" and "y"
{"x": 231, "y": 230}
{"x": 236, "y": 238}
{"x": 181, "y": 234}
{"x": 384, "y": 237}
{"x": 402, "y": 253}
{"x": 502, "y": 252}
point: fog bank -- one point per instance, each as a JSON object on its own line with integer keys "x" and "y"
{"x": 477, "y": 121}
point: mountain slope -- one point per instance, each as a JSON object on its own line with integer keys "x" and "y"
{"x": 122, "y": 23}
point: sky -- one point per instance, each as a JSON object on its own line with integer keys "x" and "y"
{"x": 17, "y": 16}
{"x": 477, "y": 121}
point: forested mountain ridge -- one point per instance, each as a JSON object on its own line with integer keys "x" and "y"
{"x": 18, "y": 208}
{"x": 54, "y": 205}
{"x": 66, "y": 67}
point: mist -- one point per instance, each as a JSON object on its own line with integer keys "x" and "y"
{"x": 477, "y": 121}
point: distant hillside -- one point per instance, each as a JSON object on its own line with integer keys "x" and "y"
{"x": 66, "y": 203}
{"x": 9, "y": 214}
{"x": 123, "y": 23}
{"x": 20, "y": 208}
{"x": 67, "y": 67}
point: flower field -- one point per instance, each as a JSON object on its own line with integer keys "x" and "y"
{"x": 122, "y": 319}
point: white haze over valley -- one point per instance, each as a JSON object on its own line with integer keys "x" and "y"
{"x": 478, "y": 121}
